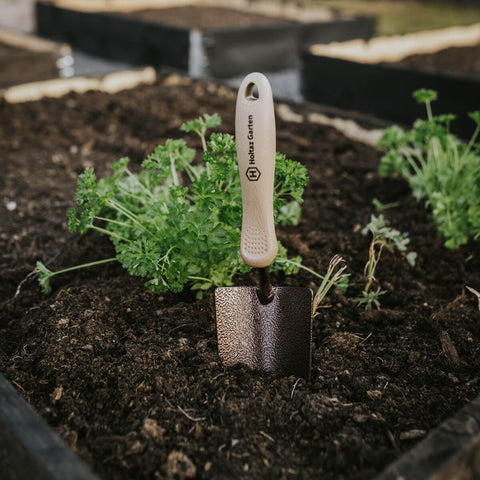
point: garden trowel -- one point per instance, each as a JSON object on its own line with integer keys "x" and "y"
{"x": 267, "y": 328}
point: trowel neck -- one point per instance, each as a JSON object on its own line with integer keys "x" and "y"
{"x": 266, "y": 290}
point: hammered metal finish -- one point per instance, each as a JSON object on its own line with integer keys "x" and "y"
{"x": 276, "y": 337}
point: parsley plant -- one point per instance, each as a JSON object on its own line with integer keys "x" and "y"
{"x": 176, "y": 235}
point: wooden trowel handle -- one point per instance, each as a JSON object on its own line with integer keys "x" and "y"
{"x": 255, "y": 138}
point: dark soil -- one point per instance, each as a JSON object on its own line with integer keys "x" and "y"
{"x": 463, "y": 61}
{"x": 204, "y": 17}
{"x": 132, "y": 380}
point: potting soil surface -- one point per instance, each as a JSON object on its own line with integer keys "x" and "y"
{"x": 132, "y": 380}
{"x": 464, "y": 61}
{"x": 204, "y": 17}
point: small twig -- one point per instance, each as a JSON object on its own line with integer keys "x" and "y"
{"x": 399, "y": 390}
{"x": 178, "y": 327}
{"x": 334, "y": 274}
{"x": 22, "y": 283}
{"x": 193, "y": 419}
{"x": 366, "y": 338}
{"x": 448, "y": 348}
{"x": 477, "y": 294}
{"x": 392, "y": 440}
{"x": 19, "y": 387}
{"x": 267, "y": 436}
{"x": 294, "y": 387}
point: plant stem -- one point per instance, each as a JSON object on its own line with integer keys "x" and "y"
{"x": 204, "y": 142}
{"x": 299, "y": 265}
{"x": 200, "y": 278}
{"x": 192, "y": 174}
{"x": 372, "y": 263}
{"x": 108, "y": 232}
{"x": 84, "y": 265}
{"x": 132, "y": 195}
{"x": 472, "y": 140}
{"x": 429, "y": 110}
{"x": 330, "y": 279}
{"x": 128, "y": 214}
{"x": 173, "y": 171}
{"x": 201, "y": 134}
{"x": 116, "y": 222}
{"x": 140, "y": 184}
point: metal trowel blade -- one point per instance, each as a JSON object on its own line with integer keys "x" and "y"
{"x": 275, "y": 337}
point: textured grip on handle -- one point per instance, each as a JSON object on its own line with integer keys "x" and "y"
{"x": 255, "y": 138}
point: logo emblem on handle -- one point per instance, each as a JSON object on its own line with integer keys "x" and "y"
{"x": 253, "y": 174}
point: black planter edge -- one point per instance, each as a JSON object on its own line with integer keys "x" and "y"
{"x": 385, "y": 90}
{"x": 221, "y": 52}
{"x": 29, "y": 448}
{"x": 448, "y": 448}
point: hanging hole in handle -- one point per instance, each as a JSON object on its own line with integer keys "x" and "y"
{"x": 251, "y": 92}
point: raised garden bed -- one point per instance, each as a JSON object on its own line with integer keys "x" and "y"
{"x": 209, "y": 39}
{"x": 132, "y": 380}
{"x": 26, "y": 58}
{"x": 379, "y": 76}
{"x": 29, "y": 448}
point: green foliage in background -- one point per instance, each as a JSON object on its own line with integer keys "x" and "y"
{"x": 441, "y": 170}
